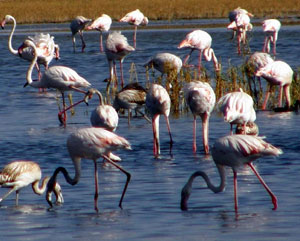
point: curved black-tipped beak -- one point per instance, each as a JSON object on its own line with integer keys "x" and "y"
{"x": 25, "y": 84}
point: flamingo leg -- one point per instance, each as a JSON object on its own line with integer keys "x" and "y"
{"x": 194, "y": 134}
{"x": 273, "y": 197}
{"x": 101, "y": 42}
{"x": 82, "y": 40}
{"x": 274, "y": 42}
{"x": 134, "y": 36}
{"x": 121, "y": 73}
{"x": 187, "y": 58}
{"x": 280, "y": 96}
{"x": 63, "y": 120}
{"x": 8, "y": 193}
{"x": 266, "y": 98}
{"x": 265, "y": 44}
{"x": 127, "y": 181}
{"x": 155, "y": 127}
{"x": 235, "y": 191}
{"x": 205, "y": 121}
{"x": 96, "y": 187}
{"x": 199, "y": 63}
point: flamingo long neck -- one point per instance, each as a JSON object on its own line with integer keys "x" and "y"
{"x": 10, "y": 47}
{"x": 36, "y": 84}
{"x": 186, "y": 191}
{"x": 40, "y": 189}
{"x": 210, "y": 54}
{"x": 100, "y": 98}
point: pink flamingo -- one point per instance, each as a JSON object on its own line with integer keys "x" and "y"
{"x": 91, "y": 143}
{"x": 101, "y": 24}
{"x": 19, "y": 174}
{"x": 233, "y": 17}
{"x": 165, "y": 63}
{"x": 117, "y": 48}
{"x": 135, "y": 18}
{"x": 237, "y": 108}
{"x": 158, "y": 103}
{"x": 271, "y": 28}
{"x": 77, "y": 26}
{"x": 201, "y": 40}
{"x": 201, "y": 99}
{"x": 277, "y": 73}
{"x": 131, "y": 97}
{"x": 46, "y": 47}
{"x": 234, "y": 151}
{"x": 58, "y": 77}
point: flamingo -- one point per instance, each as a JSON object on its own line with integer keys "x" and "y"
{"x": 135, "y": 18}
{"x": 233, "y": 16}
{"x": 234, "y": 151}
{"x": 201, "y": 40}
{"x": 241, "y": 24}
{"x": 201, "y": 99}
{"x": 77, "y": 26}
{"x": 277, "y": 73}
{"x": 47, "y": 49}
{"x": 131, "y": 97}
{"x": 271, "y": 28}
{"x": 19, "y": 174}
{"x": 237, "y": 108}
{"x": 165, "y": 63}
{"x": 101, "y": 24}
{"x": 117, "y": 48}
{"x": 91, "y": 143}
{"x": 158, "y": 103}
{"x": 58, "y": 77}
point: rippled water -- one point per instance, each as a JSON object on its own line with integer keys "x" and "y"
{"x": 30, "y": 130}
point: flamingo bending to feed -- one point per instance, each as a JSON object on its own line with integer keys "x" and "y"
{"x": 19, "y": 174}
{"x": 237, "y": 108}
{"x": 101, "y": 24}
{"x": 91, "y": 143}
{"x": 165, "y": 63}
{"x": 233, "y": 151}
{"x": 117, "y": 48}
{"x": 158, "y": 103}
{"x": 58, "y": 77}
{"x": 135, "y": 18}
{"x": 46, "y": 47}
{"x": 271, "y": 28}
{"x": 201, "y": 99}
{"x": 77, "y": 26}
{"x": 201, "y": 40}
{"x": 131, "y": 97}
{"x": 277, "y": 73}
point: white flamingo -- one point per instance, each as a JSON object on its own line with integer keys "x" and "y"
{"x": 271, "y": 28}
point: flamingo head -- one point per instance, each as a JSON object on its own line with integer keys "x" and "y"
{"x": 56, "y": 52}
{"x": 50, "y": 188}
{"x": 58, "y": 193}
{"x": 3, "y": 23}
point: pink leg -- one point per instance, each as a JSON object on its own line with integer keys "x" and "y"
{"x": 274, "y": 43}
{"x": 274, "y": 199}
{"x": 82, "y": 40}
{"x": 266, "y": 98}
{"x": 121, "y": 73}
{"x": 63, "y": 120}
{"x": 235, "y": 191}
{"x": 194, "y": 134}
{"x": 134, "y": 36}
{"x": 96, "y": 187}
{"x": 205, "y": 119}
{"x": 101, "y": 42}
{"x": 187, "y": 58}
{"x": 280, "y": 97}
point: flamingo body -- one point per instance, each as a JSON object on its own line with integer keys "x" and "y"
{"x": 271, "y": 28}
{"x": 77, "y": 26}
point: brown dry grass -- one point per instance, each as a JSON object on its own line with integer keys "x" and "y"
{"x": 44, "y": 11}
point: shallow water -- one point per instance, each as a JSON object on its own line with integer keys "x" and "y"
{"x": 30, "y": 130}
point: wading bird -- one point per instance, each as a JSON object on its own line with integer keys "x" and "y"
{"x": 237, "y": 108}
{"x": 158, "y": 103}
{"x": 77, "y": 26}
{"x": 271, "y": 28}
{"x": 201, "y": 99}
{"x": 135, "y": 18}
{"x": 19, "y": 174}
{"x": 277, "y": 73}
{"x": 200, "y": 40}
{"x": 91, "y": 143}
{"x": 117, "y": 48}
{"x": 101, "y": 24}
{"x": 131, "y": 97}
{"x": 233, "y": 17}
{"x": 233, "y": 151}
{"x": 58, "y": 77}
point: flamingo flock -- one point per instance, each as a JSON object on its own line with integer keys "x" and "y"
{"x": 234, "y": 150}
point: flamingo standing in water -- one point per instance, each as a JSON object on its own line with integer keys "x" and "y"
{"x": 46, "y": 47}
{"x": 277, "y": 73}
{"x": 91, "y": 143}
{"x": 165, "y": 63}
{"x": 77, "y": 26}
{"x": 101, "y": 24}
{"x": 201, "y": 40}
{"x": 233, "y": 151}
{"x": 135, "y": 18}
{"x": 233, "y": 17}
{"x": 131, "y": 97}
{"x": 201, "y": 99}
{"x": 237, "y": 108}
{"x": 271, "y": 28}
{"x": 19, "y": 174}
{"x": 158, "y": 103}
{"x": 58, "y": 77}
{"x": 117, "y": 48}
